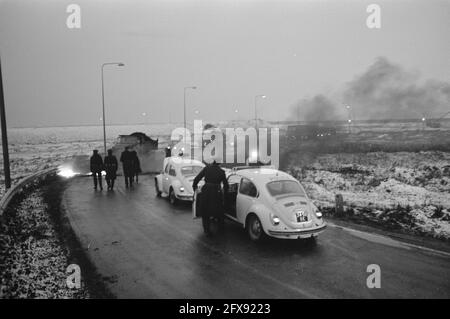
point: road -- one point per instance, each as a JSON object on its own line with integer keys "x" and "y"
{"x": 145, "y": 248}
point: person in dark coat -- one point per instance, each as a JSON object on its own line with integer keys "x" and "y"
{"x": 111, "y": 166}
{"x": 96, "y": 166}
{"x": 136, "y": 166}
{"x": 127, "y": 164}
{"x": 211, "y": 201}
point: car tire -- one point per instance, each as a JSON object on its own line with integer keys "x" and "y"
{"x": 158, "y": 192}
{"x": 255, "y": 229}
{"x": 172, "y": 198}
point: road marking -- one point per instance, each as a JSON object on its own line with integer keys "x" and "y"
{"x": 388, "y": 241}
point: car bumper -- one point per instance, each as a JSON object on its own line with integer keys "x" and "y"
{"x": 298, "y": 233}
{"x": 185, "y": 197}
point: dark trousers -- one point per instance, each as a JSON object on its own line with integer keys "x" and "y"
{"x": 97, "y": 179}
{"x": 128, "y": 180}
{"x": 211, "y": 203}
{"x": 110, "y": 181}
{"x": 206, "y": 222}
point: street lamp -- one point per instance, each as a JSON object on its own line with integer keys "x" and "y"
{"x": 349, "y": 116}
{"x": 103, "y": 99}
{"x": 256, "y": 111}
{"x": 6, "y": 166}
{"x": 187, "y": 87}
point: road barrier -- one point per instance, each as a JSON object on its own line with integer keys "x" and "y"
{"x": 15, "y": 189}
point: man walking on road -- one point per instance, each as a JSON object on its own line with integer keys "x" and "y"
{"x": 111, "y": 169}
{"x": 127, "y": 164}
{"x": 136, "y": 166}
{"x": 211, "y": 203}
{"x": 96, "y": 169}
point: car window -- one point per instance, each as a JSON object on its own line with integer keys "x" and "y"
{"x": 233, "y": 182}
{"x": 234, "y": 179}
{"x": 172, "y": 171}
{"x": 248, "y": 188}
{"x": 190, "y": 170}
{"x": 281, "y": 188}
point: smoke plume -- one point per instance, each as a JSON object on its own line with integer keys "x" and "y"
{"x": 387, "y": 91}
{"x": 318, "y": 108}
{"x": 384, "y": 91}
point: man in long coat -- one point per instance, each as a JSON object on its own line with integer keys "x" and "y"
{"x": 127, "y": 164}
{"x": 111, "y": 166}
{"x": 96, "y": 167}
{"x": 211, "y": 201}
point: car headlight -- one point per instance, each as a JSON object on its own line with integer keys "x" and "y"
{"x": 274, "y": 219}
{"x": 181, "y": 189}
{"x": 318, "y": 214}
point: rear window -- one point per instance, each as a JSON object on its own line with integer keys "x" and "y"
{"x": 282, "y": 188}
{"x": 190, "y": 170}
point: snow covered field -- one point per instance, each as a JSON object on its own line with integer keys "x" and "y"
{"x": 408, "y": 190}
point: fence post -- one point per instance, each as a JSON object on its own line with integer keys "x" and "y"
{"x": 339, "y": 209}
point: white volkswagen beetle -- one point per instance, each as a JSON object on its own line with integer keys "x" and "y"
{"x": 175, "y": 181}
{"x": 269, "y": 202}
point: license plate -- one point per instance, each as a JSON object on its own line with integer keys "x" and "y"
{"x": 301, "y": 217}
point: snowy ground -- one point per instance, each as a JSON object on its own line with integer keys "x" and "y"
{"x": 402, "y": 190}
{"x": 33, "y": 260}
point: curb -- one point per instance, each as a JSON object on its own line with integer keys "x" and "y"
{"x": 13, "y": 191}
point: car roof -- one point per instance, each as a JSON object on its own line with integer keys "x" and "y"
{"x": 262, "y": 175}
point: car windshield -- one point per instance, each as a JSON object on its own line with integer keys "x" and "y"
{"x": 283, "y": 188}
{"x": 190, "y": 170}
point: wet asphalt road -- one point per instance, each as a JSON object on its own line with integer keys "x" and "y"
{"x": 145, "y": 248}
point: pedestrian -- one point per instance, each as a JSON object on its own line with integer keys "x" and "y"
{"x": 127, "y": 164}
{"x": 111, "y": 169}
{"x": 136, "y": 166}
{"x": 211, "y": 200}
{"x": 96, "y": 169}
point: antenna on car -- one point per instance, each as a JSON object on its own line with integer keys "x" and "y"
{"x": 238, "y": 168}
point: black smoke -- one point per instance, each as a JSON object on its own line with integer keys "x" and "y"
{"x": 388, "y": 91}
{"x": 317, "y": 108}
{"x": 384, "y": 91}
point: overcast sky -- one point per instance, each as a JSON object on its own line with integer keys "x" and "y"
{"x": 232, "y": 50}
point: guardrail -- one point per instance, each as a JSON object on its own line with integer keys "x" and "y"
{"x": 15, "y": 189}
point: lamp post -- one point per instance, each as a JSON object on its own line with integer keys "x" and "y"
{"x": 256, "y": 108}
{"x": 103, "y": 99}
{"x": 6, "y": 168}
{"x": 184, "y": 103}
{"x": 145, "y": 118}
{"x": 349, "y": 118}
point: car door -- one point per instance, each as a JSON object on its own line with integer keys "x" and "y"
{"x": 166, "y": 179}
{"x": 246, "y": 197}
{"x": 231, "y": 196}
